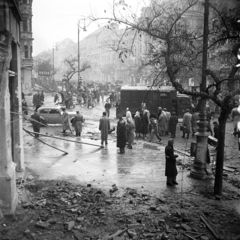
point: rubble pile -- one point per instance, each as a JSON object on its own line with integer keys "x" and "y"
{"x": 61, "y": 210}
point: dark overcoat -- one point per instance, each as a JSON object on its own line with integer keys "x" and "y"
{"x": 170, "y": 167}
{"x": 36, "y": 122}
{"x": 173, "y": 124}
{"x": 137, "y": 121}
{"x": 144, "y": 123}
{"x": 121, "y": 134}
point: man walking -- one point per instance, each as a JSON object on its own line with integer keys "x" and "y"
{"x": 65, "y": 121}
{"x": 36, "y": 123}
{"x": 77, "y": 122}
{"x": 104, "y": 127}
{"x": 37, "y": 101}
{"x": 187, "y": 123}
{"x": 107, "y": 107}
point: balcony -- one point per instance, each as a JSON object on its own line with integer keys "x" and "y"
{"x": 27, "y": 62}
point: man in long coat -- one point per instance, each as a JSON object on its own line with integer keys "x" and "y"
{"x": 107, "y": 107}
{"x": 77, "y": 123}
{"x": 162, "y": 123}
{"x": 37, "y": 100}
{"x": 104, "y": 127}
{"x": 121, "y": 135}
{"x": 173, "y": 124}
{"x": 65, "y": 121}
{"x": 36, "y": 123}
{"x": 170, "y": 167}
{"x": 187, "y": 123}
{"x": 168, "y": 115}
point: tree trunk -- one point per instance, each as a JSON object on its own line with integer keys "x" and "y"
{"x": 220, "y": 153}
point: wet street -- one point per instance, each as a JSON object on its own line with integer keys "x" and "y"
{"x": 141, "y": 167}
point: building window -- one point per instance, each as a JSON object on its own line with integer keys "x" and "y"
{"x": 26, "y": 51}
{"x": 25, "y": 25}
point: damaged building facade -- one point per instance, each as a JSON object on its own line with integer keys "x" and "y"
{"x": 11, "y": 137}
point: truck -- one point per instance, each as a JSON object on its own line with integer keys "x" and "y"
{"x": 135, "y": 97}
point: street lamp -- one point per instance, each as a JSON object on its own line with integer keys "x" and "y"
{"x": 54, "y": 45}
{"x": 84, "y": 29}
{"x": 200, "y": 166}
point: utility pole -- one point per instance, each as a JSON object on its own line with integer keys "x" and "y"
{"x": 199, "y": 169}
{"x": 84, "y": 29}
{"x": 53, "y": 63}
{"x": 78, "y": 53}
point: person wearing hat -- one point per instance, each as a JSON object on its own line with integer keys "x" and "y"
{"x": 187, "y": 123}
{"x": 173, "y": 121}
{"x": 77, "y": 123}
{"x": 104, "y": 127}
{"x": 121, "y": 135}
{"x": 170, "y": 166}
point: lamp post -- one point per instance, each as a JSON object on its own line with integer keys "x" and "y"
{"x": 54, "y": 45}
{"x": 84, "y": 29}
{"x": 200, "y": 166}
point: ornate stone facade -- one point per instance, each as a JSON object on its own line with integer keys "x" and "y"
{"x": 26, "y": 40}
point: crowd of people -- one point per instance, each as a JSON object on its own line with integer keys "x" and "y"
{"x": 87, "y": 96}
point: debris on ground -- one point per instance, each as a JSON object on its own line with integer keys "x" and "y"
{"x": 62, "y": 210}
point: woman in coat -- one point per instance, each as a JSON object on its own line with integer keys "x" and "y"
{"x": 170, "y": 167}
{"x": 130, "y": 132}
{"x": 77, "y": 122}
{"x": 121, "y": 135}
{"x": 137, "y": 121}
{"x": 145, "y": 123}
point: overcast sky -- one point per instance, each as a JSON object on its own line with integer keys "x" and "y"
{"x": 55, "y": 20}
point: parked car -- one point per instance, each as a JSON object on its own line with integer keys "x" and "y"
{"x": 52, "y": 115}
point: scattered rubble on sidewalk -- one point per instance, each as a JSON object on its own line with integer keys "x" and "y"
{"x": 61, "y": 210}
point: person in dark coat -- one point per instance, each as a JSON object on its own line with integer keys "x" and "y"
{"x": 104, "y": 127}
{"x": 137, "y": 120}
{"x": 170, "y": 167}
{"x": 121, "y": 135}
{"x": 107, "y": 107}
{"x": 24, "y": 107}
{"x": 37, "y": 100}
{"x": 77, "y": 123}
{"x": 145, "y": 123}
{"x": 36, "y": 123}
{"x": 173, "y": 121}
{"x": 56, "y": 97}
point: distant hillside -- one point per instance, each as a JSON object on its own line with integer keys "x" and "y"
{"x": 63, "y": 49}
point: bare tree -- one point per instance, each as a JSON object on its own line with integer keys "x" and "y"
{"x": 176, "y": 48}
{"x": 72, "y": 67}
